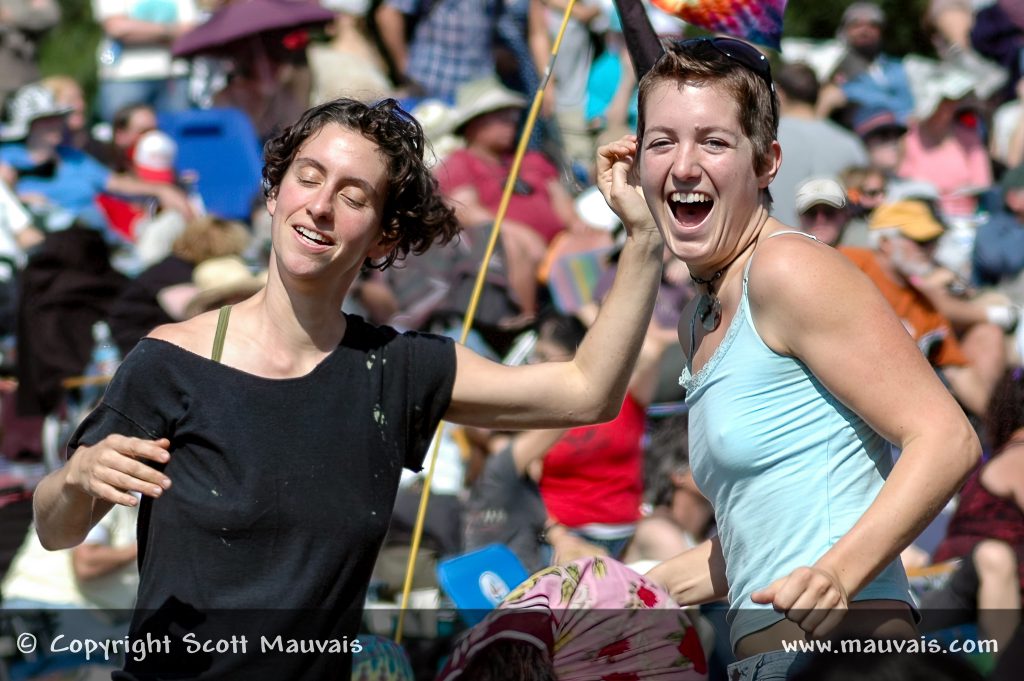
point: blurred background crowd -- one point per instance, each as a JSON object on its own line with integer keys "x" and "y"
{"x": 130, "y": 196}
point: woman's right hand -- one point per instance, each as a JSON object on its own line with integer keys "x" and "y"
{"x": 616, "y": 178}
{"x": 116, "y": 466}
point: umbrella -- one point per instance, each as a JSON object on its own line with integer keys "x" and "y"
{"x": 246, "y": 18}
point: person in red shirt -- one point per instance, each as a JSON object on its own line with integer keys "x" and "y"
{"x": 473, "y": 181}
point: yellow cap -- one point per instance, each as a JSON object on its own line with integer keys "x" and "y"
{"x": 914, "y": 220}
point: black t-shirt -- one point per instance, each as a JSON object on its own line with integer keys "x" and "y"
{"x": 506, "y": 508}
{"x": 281, "y": 494}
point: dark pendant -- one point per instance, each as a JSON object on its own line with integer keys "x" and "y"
{"x": 709, "y": 309}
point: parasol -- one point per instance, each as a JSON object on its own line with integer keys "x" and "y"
{"x": 247, "y": 18}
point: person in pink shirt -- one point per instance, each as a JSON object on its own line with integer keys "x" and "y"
{"x": 944, "y": 147}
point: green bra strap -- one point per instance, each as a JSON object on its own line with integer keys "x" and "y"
{"x": 222, "y": 331}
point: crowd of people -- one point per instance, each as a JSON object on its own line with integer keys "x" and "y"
{"x": 750, "y": 343}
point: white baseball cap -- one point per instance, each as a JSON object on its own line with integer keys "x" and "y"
{"x": 817, "y": 190}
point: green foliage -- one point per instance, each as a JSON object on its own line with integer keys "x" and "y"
{"x": 70, "y": 48}
{"x": 904, "y": 32}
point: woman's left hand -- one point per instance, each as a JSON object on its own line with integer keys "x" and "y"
{"x": 810, "y": 596}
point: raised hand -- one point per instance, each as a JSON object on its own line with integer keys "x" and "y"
{"x": 616, "y": 178}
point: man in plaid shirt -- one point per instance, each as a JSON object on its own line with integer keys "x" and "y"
{"x": 451, "y": 42}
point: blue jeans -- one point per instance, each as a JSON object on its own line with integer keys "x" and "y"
{"x": 774, "y": 666}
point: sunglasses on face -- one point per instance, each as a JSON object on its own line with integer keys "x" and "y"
{"x": 743, "y": 53}
{"x": 827, "y": 212}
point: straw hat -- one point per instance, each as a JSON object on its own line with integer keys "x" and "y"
{"x": 215, "y": 282}
{"x": 481, "y": 96}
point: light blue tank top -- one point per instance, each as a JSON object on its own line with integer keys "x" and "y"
{"x": 788, "y": 468}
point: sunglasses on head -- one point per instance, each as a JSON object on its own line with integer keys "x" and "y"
{"x": 741, "y": 52}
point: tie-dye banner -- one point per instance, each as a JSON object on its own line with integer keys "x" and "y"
{"x": 756, "y": 21}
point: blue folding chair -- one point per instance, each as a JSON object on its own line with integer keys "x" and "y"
{"x": 479, "y": 580}
{"x": 222, "y": 147}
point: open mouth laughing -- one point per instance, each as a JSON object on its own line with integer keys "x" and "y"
{"x": 690, "y": 208}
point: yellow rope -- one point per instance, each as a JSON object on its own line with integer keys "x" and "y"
{"x": 474, "y": 300}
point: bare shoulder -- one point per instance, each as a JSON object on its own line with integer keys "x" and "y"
{"x": 798, "y": 284}
{"x": 793, "y": 261}
{"x": 195, "y": 335}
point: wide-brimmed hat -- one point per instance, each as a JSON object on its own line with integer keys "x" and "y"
{"x": 30, "y": 103}
{"x": 913, "y": 219}
{"x": 932, "y": 82}
{"x": 481, "y": 96}
{"x": 214, "y": 282}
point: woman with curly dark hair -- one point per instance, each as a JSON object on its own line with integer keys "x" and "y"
{"x": 284, "y": 433}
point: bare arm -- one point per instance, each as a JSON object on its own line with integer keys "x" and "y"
{"x": 1003, "y": 476}
{"x": 90, "y": 561}
{"x": 592, "y": 386}
{"x": 532, "y": 445}
{"x": 617, "y": 112}
{"x": 695, "y": 576}
{"x": 70, "y": 501}
{"x": 644, "y": 382}
{"x": 138, "y": 32}
{"x": 882, "y": 376}
{"x": 391, "y": 24}
{"x": 169, "y": 196}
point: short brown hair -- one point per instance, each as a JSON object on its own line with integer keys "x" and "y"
{"x": 415, "y": 216}
{"x": 757, "y": 103}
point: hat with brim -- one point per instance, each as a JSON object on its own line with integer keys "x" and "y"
{"x": 932, "y": 82}
{"x": 29, "y": 104}
{"x": 819, "y": 191}
{"x": 869, "y": 121}
{"x": 913, "y": 219}
{"x": 483, "y": 96}
{"x": 215, "y": 282}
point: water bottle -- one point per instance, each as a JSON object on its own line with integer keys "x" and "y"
{"x": 189, "y": 181}
{"x": 103, "y": 362}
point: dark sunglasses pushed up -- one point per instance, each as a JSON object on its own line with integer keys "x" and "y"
{"x": 741, "y": 52}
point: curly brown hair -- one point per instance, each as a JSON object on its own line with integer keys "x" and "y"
{"x": 415, "y": 216}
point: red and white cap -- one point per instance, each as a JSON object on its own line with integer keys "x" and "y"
{"x": 154, "y": 157}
